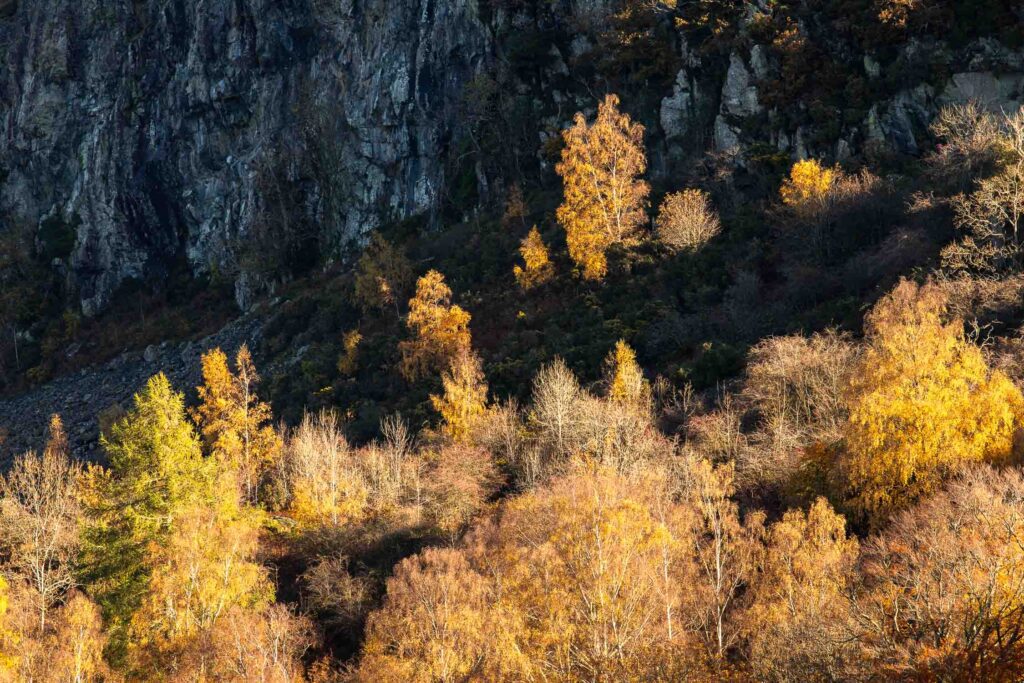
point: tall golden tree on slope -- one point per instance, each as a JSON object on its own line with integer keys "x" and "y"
{"x": 464, "y": 400}
{"x": 604, "y": 197}
{"x": 234, "y": 423}
{"x": 439, "y": 328}
{"x": 922, "y": 402}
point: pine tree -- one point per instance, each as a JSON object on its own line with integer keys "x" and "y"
{"x": 157, "y": 471}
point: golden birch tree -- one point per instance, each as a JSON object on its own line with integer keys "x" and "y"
{"x": 605, "y": 200}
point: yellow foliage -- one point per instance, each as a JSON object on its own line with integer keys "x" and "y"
{"x": 537, "y": 267}
{"x": 439, "y": 625}
{"x": 808, "y": 183}
{"x": 465, "y": 396}
{"x": 8, "y": 637}
{"x": 234, "y": 422}
{"x": 626, "y": 383}
{"x": 589, "y": 575}
{"x": 206, "y": 567}
{"x": 922, "y": 401}
{"x": 798, "y": 611}
{"x": 604, "y": 200}
{"x": 440, "y": 329}
{"x": 348, "y": 362}
{"x": 325, "y": 487}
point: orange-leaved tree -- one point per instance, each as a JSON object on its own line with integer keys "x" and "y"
{"x": 234, "y": 423}
{"x": 537, "y": 267}
{"x": 799, "y": 617}
{"x": 464, "y": 400}
{"x": 625, "y": 377}
{"x": 808, "y": 184}
{"x": 440, "y": 329}
{"x": 604, "y": 197}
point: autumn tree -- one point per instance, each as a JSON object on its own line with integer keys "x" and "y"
{"x": 725, "y": 548}
{"x": 942, "y": 589}
{"x": 554, "y": 408}
{"x": 157, "y": 471}
{"x": 614, "y": 563}
{"x": 922, "y": 401}
{"x": 337, "y": 596}
{"x": 464, "y": 400}
{"x": 604, "y": 199}
{"x": 687, "y": 220}
{"x": 9, "y": 639}
{"x": 348, "y": 361}
{"x": 991, "y": 218}
{"x": 798, "y": 384}
{"x": 808, "y": 185}
{"x": 458, "y": 482}
{"x": 383, "y": 276}
{"x": 234, "y": 423}
{"x": 437, "y": 624}
{"x": 439, "y": 328}
{"x": 39, "y": 518}
{"x": 265, "y": 645}
{"x": 322, "y": 485}
{"x": 797, "y": 387}
{"x": 69, "y": 649}
{"x": 537, "y": 268}
{"x": 625, "y": 378}
{"x": 972, "y": 145}
{"x": 615, "y": 557}
{"x": 505, "y": 434}
{"x": 516, "y": 209}
{"x": 204, "y": 567}
{"x": 799, "y": 620}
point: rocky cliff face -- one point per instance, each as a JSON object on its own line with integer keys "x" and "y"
{"x": 146, "y": 129}
{"x": 136, "y": 132}
{"x": 984, "y": 72}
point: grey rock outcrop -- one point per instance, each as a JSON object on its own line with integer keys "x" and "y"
{"x": 681, "y": 109}
{"x": 997, "y": 92}
{"x": 739, "y": 100}
{"x": 145, "y": 127}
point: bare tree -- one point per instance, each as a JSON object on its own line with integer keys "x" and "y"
{"x": 39, "y": 514}
{"x": 687, "y": 220}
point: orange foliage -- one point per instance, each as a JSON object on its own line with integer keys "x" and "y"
{"x": 440, "y": 329}
{"x": 605, "y": 200}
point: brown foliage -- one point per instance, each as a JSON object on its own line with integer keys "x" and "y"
{"x": 39, "y": 516}
{"x": 943, "y": 587}
{"x": 687, "y": 220}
